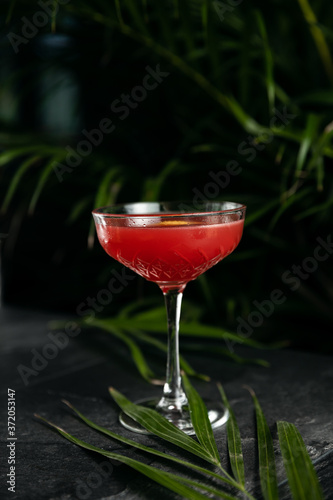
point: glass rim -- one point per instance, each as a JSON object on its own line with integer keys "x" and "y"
{"x": 106, "y": 212}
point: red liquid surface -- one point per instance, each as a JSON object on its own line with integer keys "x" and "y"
{"x": 170, "y": 252}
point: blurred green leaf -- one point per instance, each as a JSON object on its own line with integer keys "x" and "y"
{"x": 45, "y": 174}
{"x": 119, "y": 14}
{"x": 10, "y": 11}
{"x": 319, "y": 147}
{"x": 107, "y": 191}
{"x": 78, "y": 209}
{"x": 290, "y": 201}
{"x": 185, "y": 23}
{"x": 54, "y": 17}
{"x": 136, "y": 15}
{"x": 7, "y": 156}
{"x": 260, "y": 212}
{"x": 227, "y": 66}
{"x": 162, "y": 346}
{"x": 152, "y": 314}
{"x": 269, "y": 77}
{"x": 321, "y": 96}
{"x": 16, "y": 180}
{"x": 135, "y": 351}
{"x": 318, "y": 37}
{"x": 106, "y": 194}
{"x": 194, "y": 329}
{"x": 310, "y": 133}
{"x": 313, "y": 210}
{"x": 153, "y": 186}
{"x": 320, "y": 173}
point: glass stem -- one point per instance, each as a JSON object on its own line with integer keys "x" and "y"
{"x": 174, "y": 397}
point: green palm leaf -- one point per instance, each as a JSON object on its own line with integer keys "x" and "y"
{"x": 153, "y": 422}
{"x": 173, "y": 482}
{"x": 200, "y": 420}
{"x": 267, "y": 470}
{"x": 147, "y": 449}
{"x": 234, "y": 441}
{"x": 301, "y": 474}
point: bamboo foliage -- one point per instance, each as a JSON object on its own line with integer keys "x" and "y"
{"x": 249, "y": 84}
{"x": 217, "y": 483}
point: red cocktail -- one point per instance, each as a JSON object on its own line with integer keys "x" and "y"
{"x": 171, "y": 245}
{"x": 170, "y": 252}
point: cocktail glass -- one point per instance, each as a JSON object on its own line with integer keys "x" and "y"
{"x": 170, "y": 244}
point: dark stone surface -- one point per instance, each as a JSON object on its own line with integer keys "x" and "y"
{"x": 298, "y": 387}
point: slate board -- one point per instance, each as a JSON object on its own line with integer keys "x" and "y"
{"x": 297, "y": 387}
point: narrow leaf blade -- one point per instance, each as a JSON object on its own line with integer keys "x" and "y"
{"x": 200, "y": 420}
{"x": 267, "y": 470}
{"x": 136, "y": 353}
{"x": 16, "y": 180}
{"x": 302, "y": 477}
{"x": 107, "y": 192}
{"x": 270, "y": 84}
{"x": 234, "y": 441}
{"x": 46, "y": 172}
{"x": 171, "y": 481}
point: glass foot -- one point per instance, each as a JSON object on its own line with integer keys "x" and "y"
{"x": 217, "y": 415}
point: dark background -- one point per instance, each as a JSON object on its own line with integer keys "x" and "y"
{"x": 266, "y": 58}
